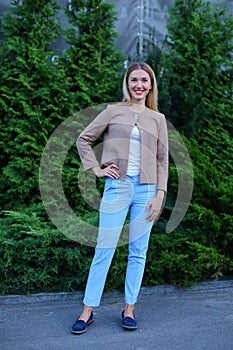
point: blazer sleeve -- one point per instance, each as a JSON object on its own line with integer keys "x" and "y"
{"x": 89, "y": 135}
{"x": 162, "y": 156}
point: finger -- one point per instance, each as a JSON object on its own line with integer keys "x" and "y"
{"x": 113, "y": 176}
{"x": 113, "y": 173}
{"x": 148, "y": 218}
{"x": 113, "y": 166}
{"x": 148, "y": 206}
{"x": 152, "y": 215}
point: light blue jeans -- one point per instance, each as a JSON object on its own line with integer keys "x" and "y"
{"x": 119, "y": 197}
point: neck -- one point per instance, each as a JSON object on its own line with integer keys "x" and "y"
{"x": 139, "y": 103}
{"x": 137, "y": 107}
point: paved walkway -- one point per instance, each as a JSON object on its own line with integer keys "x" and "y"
{"x": 200, "y": 318}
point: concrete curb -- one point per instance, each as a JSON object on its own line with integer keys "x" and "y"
{"x": 223, "y": 286}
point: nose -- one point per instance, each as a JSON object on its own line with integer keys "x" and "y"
{"x": 139, "y": 84}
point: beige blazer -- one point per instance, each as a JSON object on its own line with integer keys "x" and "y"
{"x": 116, "y": 123}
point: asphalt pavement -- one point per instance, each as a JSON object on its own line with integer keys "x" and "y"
{"x": 199, "y": 318}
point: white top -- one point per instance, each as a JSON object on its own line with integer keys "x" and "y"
{"x": 134, "y": 153}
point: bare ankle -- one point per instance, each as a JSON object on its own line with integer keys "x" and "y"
{"x": 86, "y": 313}
{"x": 129, "y": 307}
{"x": 129, "y": 310}
{"x": 87, "y": 308}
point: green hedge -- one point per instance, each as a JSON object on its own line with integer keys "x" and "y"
{"x": 34, "y": 257}
{"x": 194, "y": 73}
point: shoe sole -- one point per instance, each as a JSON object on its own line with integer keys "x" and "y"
{"x": 84, "y": 331}
{"x": 130, "y": 328}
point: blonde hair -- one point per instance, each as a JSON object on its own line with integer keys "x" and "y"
{"x": 152, "y": 97}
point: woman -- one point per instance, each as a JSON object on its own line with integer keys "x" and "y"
{"x": 135, "y": 165}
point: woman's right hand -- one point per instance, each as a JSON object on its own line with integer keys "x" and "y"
{"x": 110, "y": 171}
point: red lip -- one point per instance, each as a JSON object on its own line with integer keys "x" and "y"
{"x": 138, "y": 91}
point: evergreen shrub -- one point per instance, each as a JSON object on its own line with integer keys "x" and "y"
{"x": 194, "y": 73}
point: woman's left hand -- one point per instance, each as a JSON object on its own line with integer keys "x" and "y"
{"x": 155, "y": 206}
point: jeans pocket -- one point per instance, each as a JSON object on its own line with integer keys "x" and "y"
{"x": 109, "y": 184}
{"x": 110, "y": 190}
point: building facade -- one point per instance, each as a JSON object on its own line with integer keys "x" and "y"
{"x": 136, "y": 20}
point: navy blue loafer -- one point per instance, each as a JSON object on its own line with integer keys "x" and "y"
{"x": 128, "y": 322}
{"x": 80, "y": 326}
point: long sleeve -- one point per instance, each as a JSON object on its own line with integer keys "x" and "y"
{"x": 162, "y": 156}
{"x": 89, "y": 135}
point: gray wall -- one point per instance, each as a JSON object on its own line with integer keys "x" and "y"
{"x": 136, "y": 18}
{"x": 135, "y": 23}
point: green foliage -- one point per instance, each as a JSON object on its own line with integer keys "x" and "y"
{"x": 37, "y": 95}
{"x": 36, "y": 257}
{"x": 93, "y": 65}
{"x": 94, "y": 70}
{"x": 33, "y": 100}
{"x": 194, "y": 73}
{"x": 198, "y": 66}
{"x": 176, "y": 259}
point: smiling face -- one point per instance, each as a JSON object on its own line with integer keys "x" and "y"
{"x": 139, "y": 85}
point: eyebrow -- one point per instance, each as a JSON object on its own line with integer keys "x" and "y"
{"x": 132, "y": 77}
